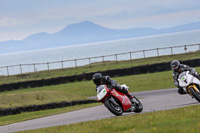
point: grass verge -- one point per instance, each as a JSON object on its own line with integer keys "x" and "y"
{"x": 181, "y": 120}
{"x": 33, "y": 115}
{"x": 36, "y": 98}
{"x": 84, "y": 89}
{"x": 79, "y": 90}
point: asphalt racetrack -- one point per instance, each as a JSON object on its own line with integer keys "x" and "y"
{"x": 152, "y": 101}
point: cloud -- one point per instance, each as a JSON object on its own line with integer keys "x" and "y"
{"x": 52, "y": 16}
{"x": 175, "y": 5}
{"x": 164, "y": 20}
{"x": 8, "y": 22}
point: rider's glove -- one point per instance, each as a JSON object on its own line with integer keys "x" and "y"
{"x": 112, "y": 86}
{"x": 191, "y": 72}
{"x": 176, "y": 83}
{"x": 125, "y": 87}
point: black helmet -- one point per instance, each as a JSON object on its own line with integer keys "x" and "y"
{"x": 175, "y": 65}
{"x": 97, "y": 77}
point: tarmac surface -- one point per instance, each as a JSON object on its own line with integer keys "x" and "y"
{"x": 152, "y": 101}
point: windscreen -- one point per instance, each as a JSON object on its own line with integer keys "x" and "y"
{"x": 181, "y": 75}
{"x": 101, "y": 87}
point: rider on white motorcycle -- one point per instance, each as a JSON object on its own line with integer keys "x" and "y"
{"x": 98, "y": 79}
{"x": 179, "y": 68}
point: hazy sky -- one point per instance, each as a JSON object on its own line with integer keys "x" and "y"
{"x": 21, "y": 18}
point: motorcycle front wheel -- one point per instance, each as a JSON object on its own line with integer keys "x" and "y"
{"x": 195, "y": 94}
{"x": 138, "y": 106}
{"x": 115, "y": 109}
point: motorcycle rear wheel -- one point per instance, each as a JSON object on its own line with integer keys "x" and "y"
{"x": 116, "y": 110}
{"x": 195, "y": 94}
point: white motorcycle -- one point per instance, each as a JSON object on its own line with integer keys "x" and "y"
{"x": 190, "y": 84}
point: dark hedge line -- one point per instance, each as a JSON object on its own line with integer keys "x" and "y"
{"x": 151, "y": 68}
{"x": 31, "y": 108}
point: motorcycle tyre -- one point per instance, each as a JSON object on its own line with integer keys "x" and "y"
{"x": 109, "y": 105}
{"x": 139, "y": 107}
{"x": 195, "y": 94}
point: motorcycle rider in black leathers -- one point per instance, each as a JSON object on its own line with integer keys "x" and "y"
{"x": 98, "y": 79}
{"x": 179, "y": 68}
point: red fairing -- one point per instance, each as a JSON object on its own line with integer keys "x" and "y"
{"x": 122, "y": 97}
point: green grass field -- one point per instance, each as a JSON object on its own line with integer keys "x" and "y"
{"x": 82, "y": 90}
{"x": 181, "y": 120}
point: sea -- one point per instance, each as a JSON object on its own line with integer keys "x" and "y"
{"x": 78, "y": 55}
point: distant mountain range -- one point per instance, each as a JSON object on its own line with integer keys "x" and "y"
{"x": 85, "y": 32}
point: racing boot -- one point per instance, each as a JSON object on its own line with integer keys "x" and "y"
{"x": 133, "y": 101}
{"x": 131, "y": 97}
{"x": 181, "y": 91}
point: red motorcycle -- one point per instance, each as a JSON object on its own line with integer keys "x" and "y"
{"x": 117, "y": 102}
